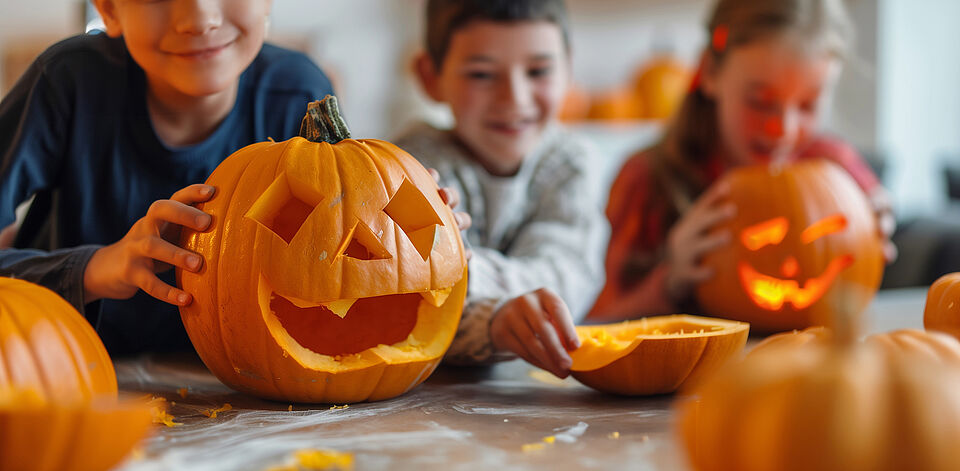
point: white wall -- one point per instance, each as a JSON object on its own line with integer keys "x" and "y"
{"x": 918, "y": 97}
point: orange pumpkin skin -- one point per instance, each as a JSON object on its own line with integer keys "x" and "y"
{"x": 46, "y": 346}
{"x": 301, "y": 226}
{"x": 661, "y": 86}
{"x": 827, "y": 408}
{"x": 38, "y": 436}
{"x": 576, "y": 105}
{"x": 934, "y": 346}
{"x": 619, "y": 104}
{"x": 655, "y": 355}
{"x": 942, "y": 311}
{"x": 804, "y": 243}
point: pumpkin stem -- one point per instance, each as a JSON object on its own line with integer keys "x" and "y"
{"x": 323, "y": 122}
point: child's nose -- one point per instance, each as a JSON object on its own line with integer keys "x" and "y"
{"x": 516, "y": 89}
{"x": 197, "y": 16}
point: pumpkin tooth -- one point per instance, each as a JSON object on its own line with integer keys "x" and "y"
{"x": 437, "y": 297}
{"x": 340, "y": 306}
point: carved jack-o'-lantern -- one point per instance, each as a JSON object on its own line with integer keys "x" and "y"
{"x": 805, "y": 242}
{"x": 333, "y": 273}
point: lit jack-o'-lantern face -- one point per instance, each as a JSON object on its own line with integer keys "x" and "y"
{"x": 770, "y": 292}
{"x": 334, "y": 272}
{"x": 805, "y": 245}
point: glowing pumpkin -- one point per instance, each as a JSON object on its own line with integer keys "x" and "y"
{"x": 661, "y": 86}
{"x": 805, "y": 244}
{"x": 654, "y": 355}
{"x": 58, "y": 390}
{"x": 942, "y": 311}
{"x": 333, "y": 270}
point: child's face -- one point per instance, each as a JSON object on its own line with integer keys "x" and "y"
{"x": 768, "y": 95}
{"x": 504, "y": 83}
{"x": 196, "y": 47}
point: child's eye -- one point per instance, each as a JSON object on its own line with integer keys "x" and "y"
{"x": 538, "y": 72}
{"x": 479, "y": 75}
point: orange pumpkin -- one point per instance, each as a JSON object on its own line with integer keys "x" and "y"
{"x": 333, "y": 270}
{"x": 47, "y": 347}
{"x": 935, "y": 346}
{"x": 825, "y": 407}
{"x": 804, "y": 245}
{"x": 58, "y": 390}
{"x": 576, "y": 105}
{"x": 37, "y": 435}
{"x": 654, "y": 355}
{"x": 618, "y": 104}
{"x": 661, "y": 85}
{"x": 942, "y": 311}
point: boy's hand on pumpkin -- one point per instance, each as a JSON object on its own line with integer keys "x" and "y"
{"x": 451, "y": 197}
{"x": 539, "y": 328}
{"x": 691, "y": 238}
{"x": 118, "y": 270}
{"x": 886, "y": 222}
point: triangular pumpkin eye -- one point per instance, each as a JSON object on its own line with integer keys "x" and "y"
{"x": 284, "y": 207}
{"x": 411, "y": 211}
{"x": 362, "y": 244}
{"x": 769, "y": 232}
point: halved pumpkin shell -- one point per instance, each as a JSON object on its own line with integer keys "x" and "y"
{"x": 654, "y": 355}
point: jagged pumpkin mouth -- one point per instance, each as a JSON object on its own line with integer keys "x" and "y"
{"x": 772, "y": 293}
{"x": 347, "y": 326}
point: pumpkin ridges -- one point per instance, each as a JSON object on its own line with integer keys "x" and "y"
{"x": 39, "y": 380}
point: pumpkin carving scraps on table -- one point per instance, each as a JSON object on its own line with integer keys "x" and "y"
{"x": 333, "y": 271}
{"x": 805, "y": 243}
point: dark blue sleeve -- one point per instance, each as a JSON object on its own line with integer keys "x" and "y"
{"x": 60, "y": 270}
{"x": 32, "y": 142}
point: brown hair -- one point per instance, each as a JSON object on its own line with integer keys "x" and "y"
{"x": 692, "y": 136}
{"x": 445, "y": 17}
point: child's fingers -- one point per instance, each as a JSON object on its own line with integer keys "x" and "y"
{"x": 450, "y": 196}
{"x": 546, "y": 339}
{"x": 163, "y": 251}
{"x": 530, "y": 340}
{"x": 708, "y": 243}
{"x": 710, "y": 217}
{"x": 197, "y": 193}
{"x": 150, "y": 284}
{"x": 177, "y": 212}
{"x": 464, "y": 221}
{"x": 713, "y": 194}
{"x": 560, "y": 317}
{"x": 698, "y": 274}
{"x": 435, "y": 174}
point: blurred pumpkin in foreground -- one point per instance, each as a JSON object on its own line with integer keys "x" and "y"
{"x": 58, "y": 391}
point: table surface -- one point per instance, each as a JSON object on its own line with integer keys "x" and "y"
{"x": 460, "y": 418}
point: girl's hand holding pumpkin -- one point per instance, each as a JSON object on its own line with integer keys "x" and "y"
{"x": 118, "y": 270}
{"x": 539, "y": 328}
{"x": 691, "y": 238}
{"x": 883, "y": 208}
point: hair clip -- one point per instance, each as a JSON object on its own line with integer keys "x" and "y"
{"x": 719, "y": 39}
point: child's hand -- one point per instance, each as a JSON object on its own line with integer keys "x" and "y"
{"x": 538, "y": 327}
{"x": 690, "y": 239}
{"x": 451, "y": 196}
{"x": 887, "y": 223}
{"x": 118, "y": 270}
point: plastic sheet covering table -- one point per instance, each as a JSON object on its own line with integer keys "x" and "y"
{"x": 461, "y": 418}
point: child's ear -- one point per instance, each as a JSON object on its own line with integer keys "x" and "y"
{"x": 108, "y": 13}
{"x": 428, "y": 76}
